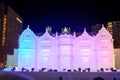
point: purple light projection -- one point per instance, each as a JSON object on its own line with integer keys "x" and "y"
{"x": 65, "y": 51}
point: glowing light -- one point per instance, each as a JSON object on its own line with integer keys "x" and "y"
{"x": 45, "y": 58}
{"x": 85, "y": 59}
{"x": 18, "y": 19}
{"x": 65, "y": 52}
{"x": 4, "y": 30}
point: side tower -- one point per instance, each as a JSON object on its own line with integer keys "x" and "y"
{"x": 104, "y": 49}
{"x": 46, "y": 56}
{"x": 85, "y": 56}
{"x": 27, "y": 49}
{"x": 65, "y": 50}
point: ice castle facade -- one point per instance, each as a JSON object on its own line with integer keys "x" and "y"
{"x": 64, "y": 51}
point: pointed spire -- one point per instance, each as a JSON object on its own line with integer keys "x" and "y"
{"x": 85, "y": 32}
{"x": 74, "y": 34}
{"x": 102, "y": 25}
{"x": 28, "y": 26}
{"x": 48, "y": 29}
{"x": 56, "y": 33}
{"x": 65, "y": 29}
{"x": 46, "y": 32}
{"x": 84, "y": 29}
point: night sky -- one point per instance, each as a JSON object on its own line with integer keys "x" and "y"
{"x": 75, "y": 14}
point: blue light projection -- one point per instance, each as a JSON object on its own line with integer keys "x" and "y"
{"x": 66, "y": 51}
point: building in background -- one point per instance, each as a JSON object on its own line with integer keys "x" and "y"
{"x": 114, "y": 28}
{"x": 10, "y": 28}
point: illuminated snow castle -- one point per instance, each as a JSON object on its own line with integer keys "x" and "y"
{"x": 64, "y": 51}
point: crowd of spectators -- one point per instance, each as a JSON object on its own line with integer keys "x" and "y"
{"x": 55, "y": 70}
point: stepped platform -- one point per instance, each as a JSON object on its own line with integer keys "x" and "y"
{"x": 60, "y": 75}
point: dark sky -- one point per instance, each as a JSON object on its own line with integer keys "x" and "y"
{"x": 75, "y": 14}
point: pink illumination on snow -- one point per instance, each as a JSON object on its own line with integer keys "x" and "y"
{"x": 66, "y": 51}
